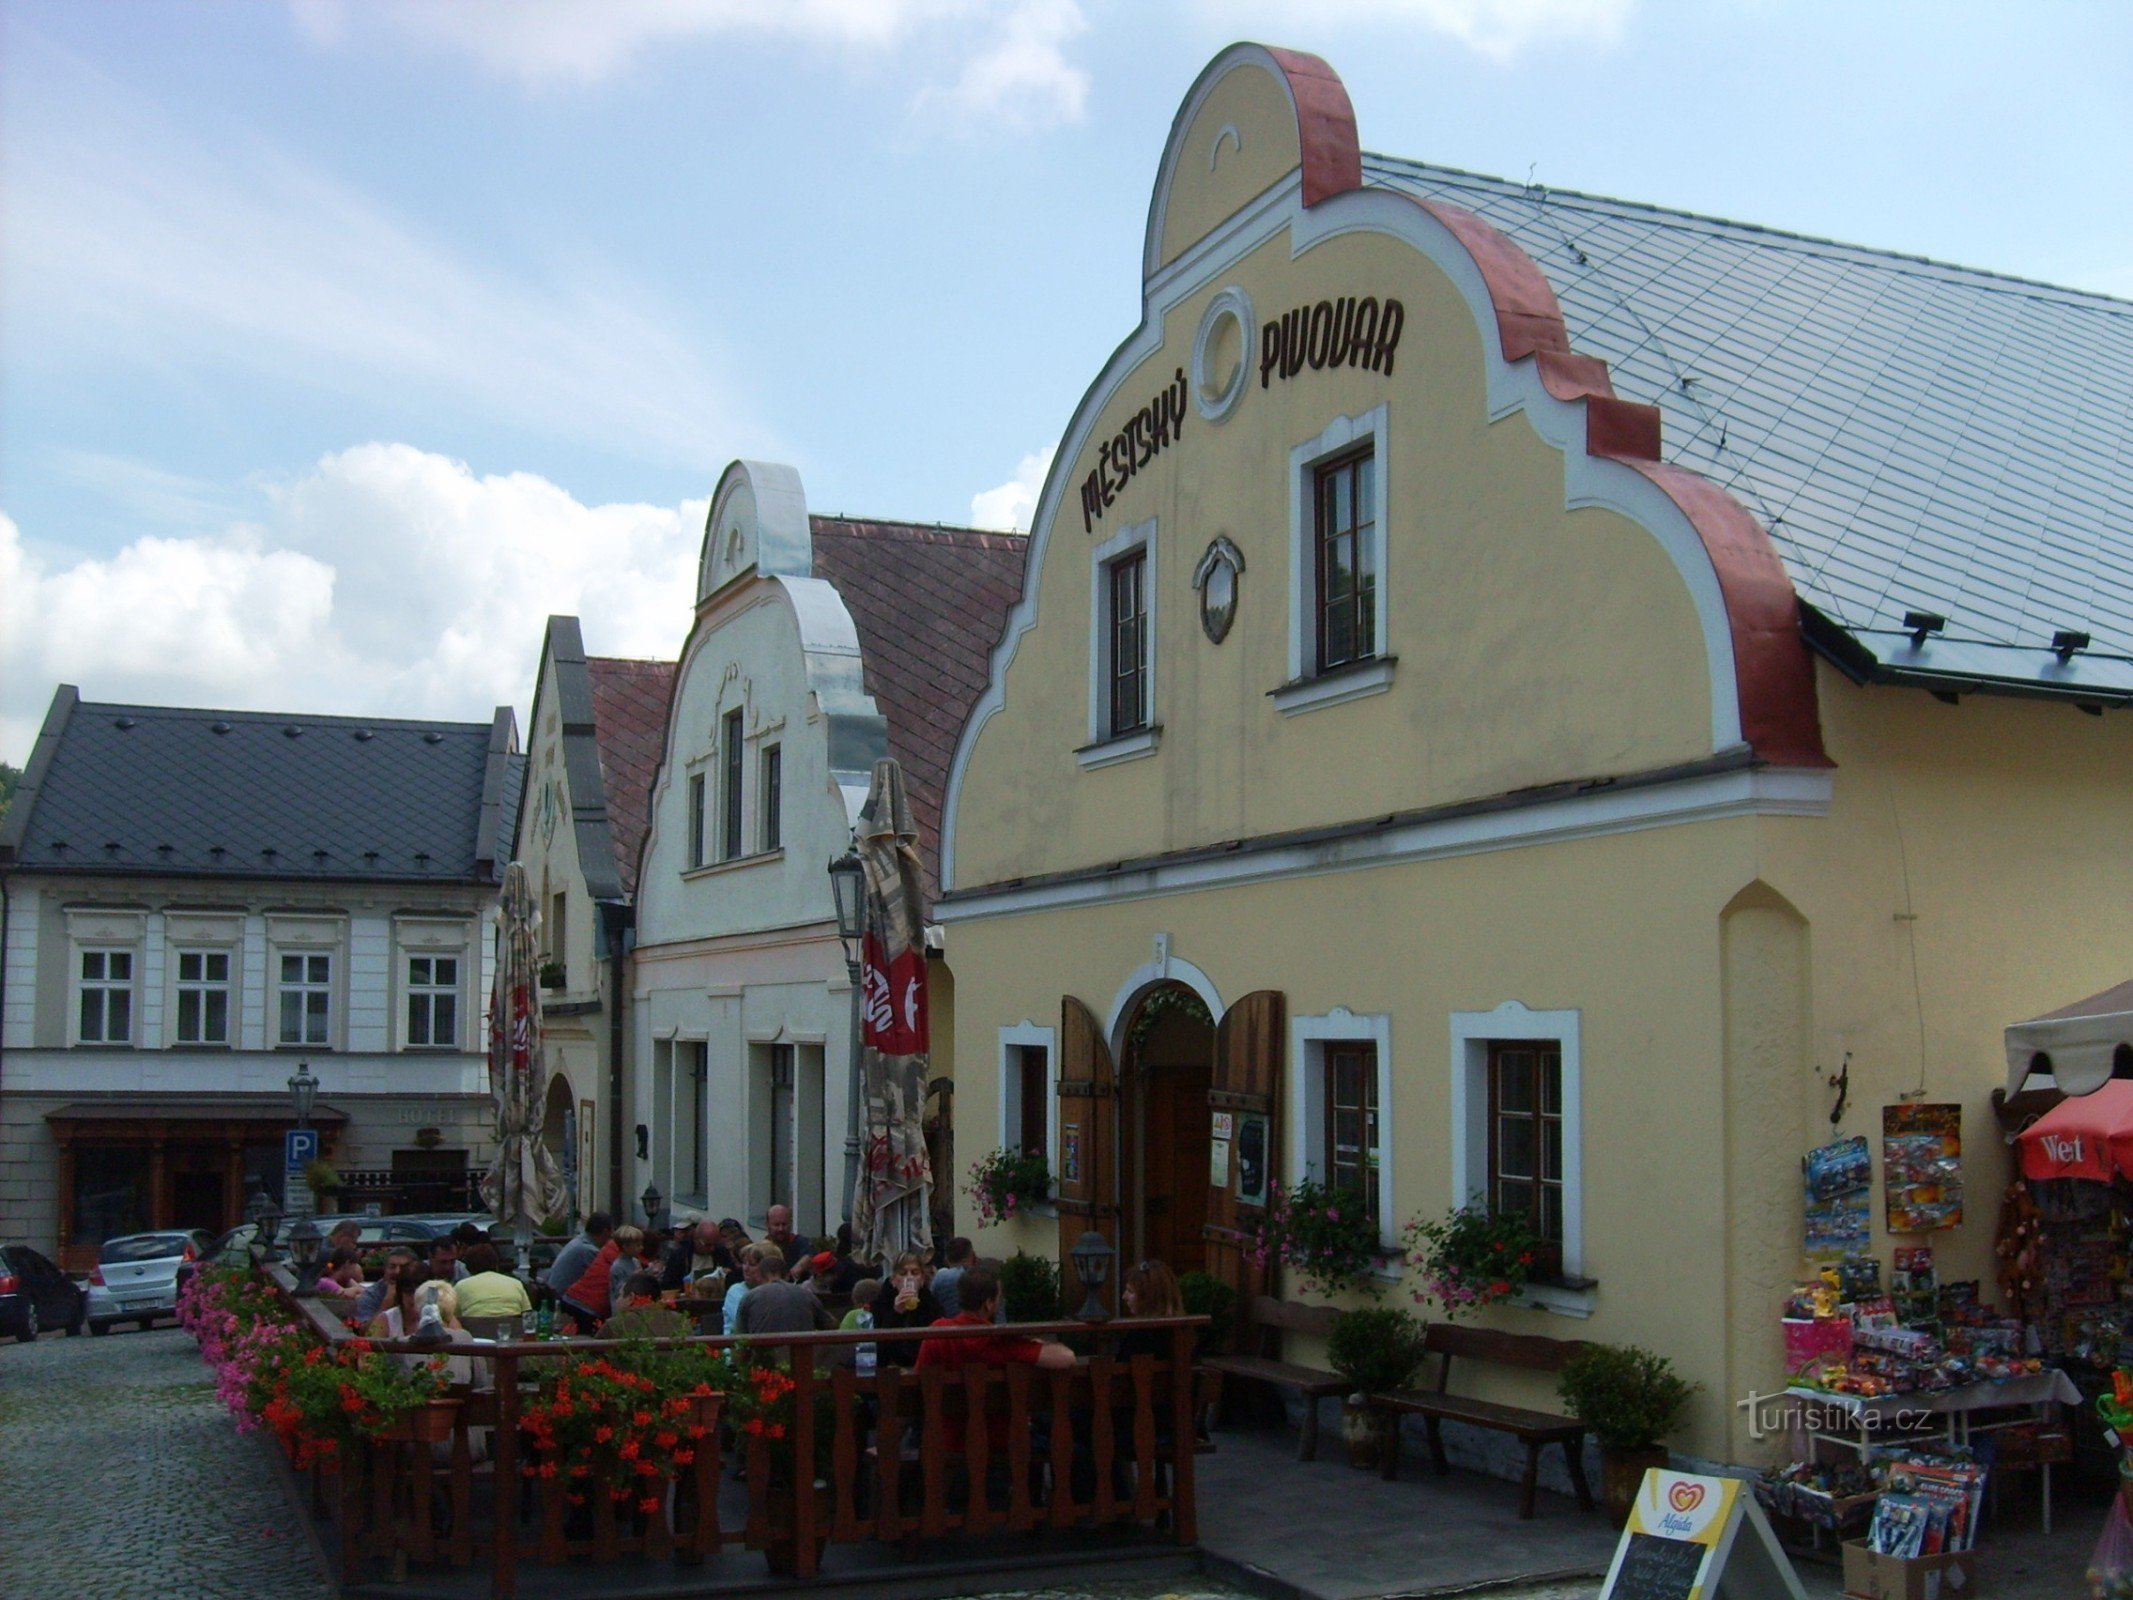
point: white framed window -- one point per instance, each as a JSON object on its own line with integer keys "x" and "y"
{"x": 770, "y": 797}
{"x": 1338, "y": 638}
{"x": 205, "y": 992}
{"x": 1122, "y": 648}
{"x": 304, "y": 991}
{"x": 104, "y": 995}
{"x": 433, "y": 1002}
{"x": 698, "y": 826}
{"x": 1029, "y": 1090}
{"x": 1340, "y": 1107}
{"x": 1517, "y": 1131}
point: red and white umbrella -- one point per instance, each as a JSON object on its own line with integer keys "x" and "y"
{"x": 524, "y": 1179}
{"x": 892, "y": 1199}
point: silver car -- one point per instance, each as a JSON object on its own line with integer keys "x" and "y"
{"x": 135, "y": 1278}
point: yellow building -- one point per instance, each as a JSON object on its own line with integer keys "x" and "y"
{"x": 1557, "y": 681}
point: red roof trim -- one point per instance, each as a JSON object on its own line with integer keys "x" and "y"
{"x": 1325, "y": 125}
{"x": 1771, "y": 668}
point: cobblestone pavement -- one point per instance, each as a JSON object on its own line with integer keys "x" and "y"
{"x": 122, "y": 1478}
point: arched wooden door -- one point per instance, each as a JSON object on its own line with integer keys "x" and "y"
{"x": 1245, "y": 1101}
{"x": 1086, "y": 1190}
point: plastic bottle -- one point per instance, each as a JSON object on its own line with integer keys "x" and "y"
{"x": 863, "y": 1354}
{"x": 544, "y": 1326}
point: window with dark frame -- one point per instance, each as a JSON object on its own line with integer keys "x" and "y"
{"x": 1034, "y": 1083}
{"x": 433, "y": 1002}
{"x": 203, "y": 997}
{"x": 730, "y": 790}
{"x": 1128, "y": 630}
{"x": 1351, "y": 1118}
{"x": 781, "y": 1125}
{"x": 306, "y": 998}
{"x": 1526, "y": 1138}
{"x": 771, "y": 779}
{"x": 697, "y": 830}
{"x": 107, "y": 997}
{"x": 1345, "y": 547}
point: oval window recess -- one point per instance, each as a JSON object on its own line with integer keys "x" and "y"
{"x": 1221, "y": 353}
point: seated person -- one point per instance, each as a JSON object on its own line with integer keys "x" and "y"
{"x": 641, "y": 1316}
{"x": 776, "y": 1304}
{"x": 864, "y": 1295}
{"x": 980, "y": 1297}
{"x": 488, "y": 1290}
{"x": 342, "y": 1275}
{"x": 906, "y": 1302}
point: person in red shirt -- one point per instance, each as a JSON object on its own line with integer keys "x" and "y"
{"x": 981, "y": 1295}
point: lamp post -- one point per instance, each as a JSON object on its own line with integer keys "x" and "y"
{"x": 303, "y": 1089}
{"x": 848, "y": 888}
{"x": 264, "y": 1216}
{"x": 652, "y": 1201}
{"x": 1092, "y": 1255}
{"x": 304, "y": 1242}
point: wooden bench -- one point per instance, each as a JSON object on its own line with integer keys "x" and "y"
{"x": 1535, "y": 1429}
{"x": 1266, "y": 1321}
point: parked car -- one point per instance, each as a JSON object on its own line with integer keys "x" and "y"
{"x": 35, "y": 1295}
{"x": 135, "y": 1278}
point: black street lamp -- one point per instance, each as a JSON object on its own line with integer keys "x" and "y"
{"x": 303, "y": 1089}
{"x": 652, "y": 1201}
{"x": 304, "y": 1242}
{"x": 1092, "y": 1255}
{"x": 848, "y": 890}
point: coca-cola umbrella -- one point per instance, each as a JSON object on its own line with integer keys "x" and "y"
{"x": 892, "y": 1199}
{"x": 523, "y": 1187}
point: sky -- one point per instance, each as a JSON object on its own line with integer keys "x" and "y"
{"x": 343, "y": 341}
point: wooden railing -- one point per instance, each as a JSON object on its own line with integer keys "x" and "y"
{"x": 1107, "y": 1443}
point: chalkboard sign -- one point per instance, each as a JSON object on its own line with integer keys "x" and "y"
{"x": 1685, "y": 1541}
{"x": 1658, "y": 1569}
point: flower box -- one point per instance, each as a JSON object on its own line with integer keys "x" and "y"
{"x": 430, "y": 1423}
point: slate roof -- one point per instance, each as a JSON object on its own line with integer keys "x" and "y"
{"x": 177, "y": 792}
{"x": 630, "y": 701}
{"x": 929, "y": 603}
{"x": 1915, "y": 436}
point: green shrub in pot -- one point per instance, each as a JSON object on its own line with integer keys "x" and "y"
{"x": 1631, "y": 1399}
{"x": 1376, "y": 1349}
{"x": 1206, "y": 1295}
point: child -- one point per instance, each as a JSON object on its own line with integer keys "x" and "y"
{"x": 864, "y": 1293}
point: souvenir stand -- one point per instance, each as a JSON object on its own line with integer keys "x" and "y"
{"x": 1904, "y": 1392}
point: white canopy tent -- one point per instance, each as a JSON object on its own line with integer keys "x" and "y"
{"x": 2079, "y": 1044}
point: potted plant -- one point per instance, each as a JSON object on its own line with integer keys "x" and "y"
{"x": 1376, "y": 1350}
{"x": 1631, "y": 1399}
{"x": 1030, "y": 1287}
{"x": 1325, "y": 1236}
{"x": 1470, "y": 1258}
{"x": 320, "y": 1177}
{"x": 551, "y": 975}
{"x": 1007, "y": 1183}
{"x": 1206, "y": 1295}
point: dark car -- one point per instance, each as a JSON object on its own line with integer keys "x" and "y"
{"x": 35, "y": 1295}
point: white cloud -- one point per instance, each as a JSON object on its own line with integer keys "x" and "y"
{"x": 388, "y": 581}
{"x": 1014, "y": 502}
{"x": 1498, "y": 29}
{"x": 143, "y": 243}
{"x": 1023, "y": 77}
{"x": 1015, "y": 68}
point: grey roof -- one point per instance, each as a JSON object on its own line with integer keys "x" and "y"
{"x": 165, "y": 791}
{"x": 1916, "y": 437}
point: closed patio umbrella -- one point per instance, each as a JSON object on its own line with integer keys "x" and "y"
{"x": 892, "y": 1198}
{"x": 523, "y": 1187}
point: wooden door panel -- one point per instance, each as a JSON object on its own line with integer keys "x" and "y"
{"x": 1087, "y": 1187}
{"x": 1250, "y": 1045}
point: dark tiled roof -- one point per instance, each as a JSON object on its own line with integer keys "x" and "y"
{"x": 1915, "y": 436}
{"x": 929, "y": 603}
{"x": 630, "y": 701}
{"x": 246, "y": 794}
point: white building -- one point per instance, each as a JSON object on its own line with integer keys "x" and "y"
{"x": 820, "y": 645}
{"x": 195, "y": 902}
{"x": 592, "y": 750}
